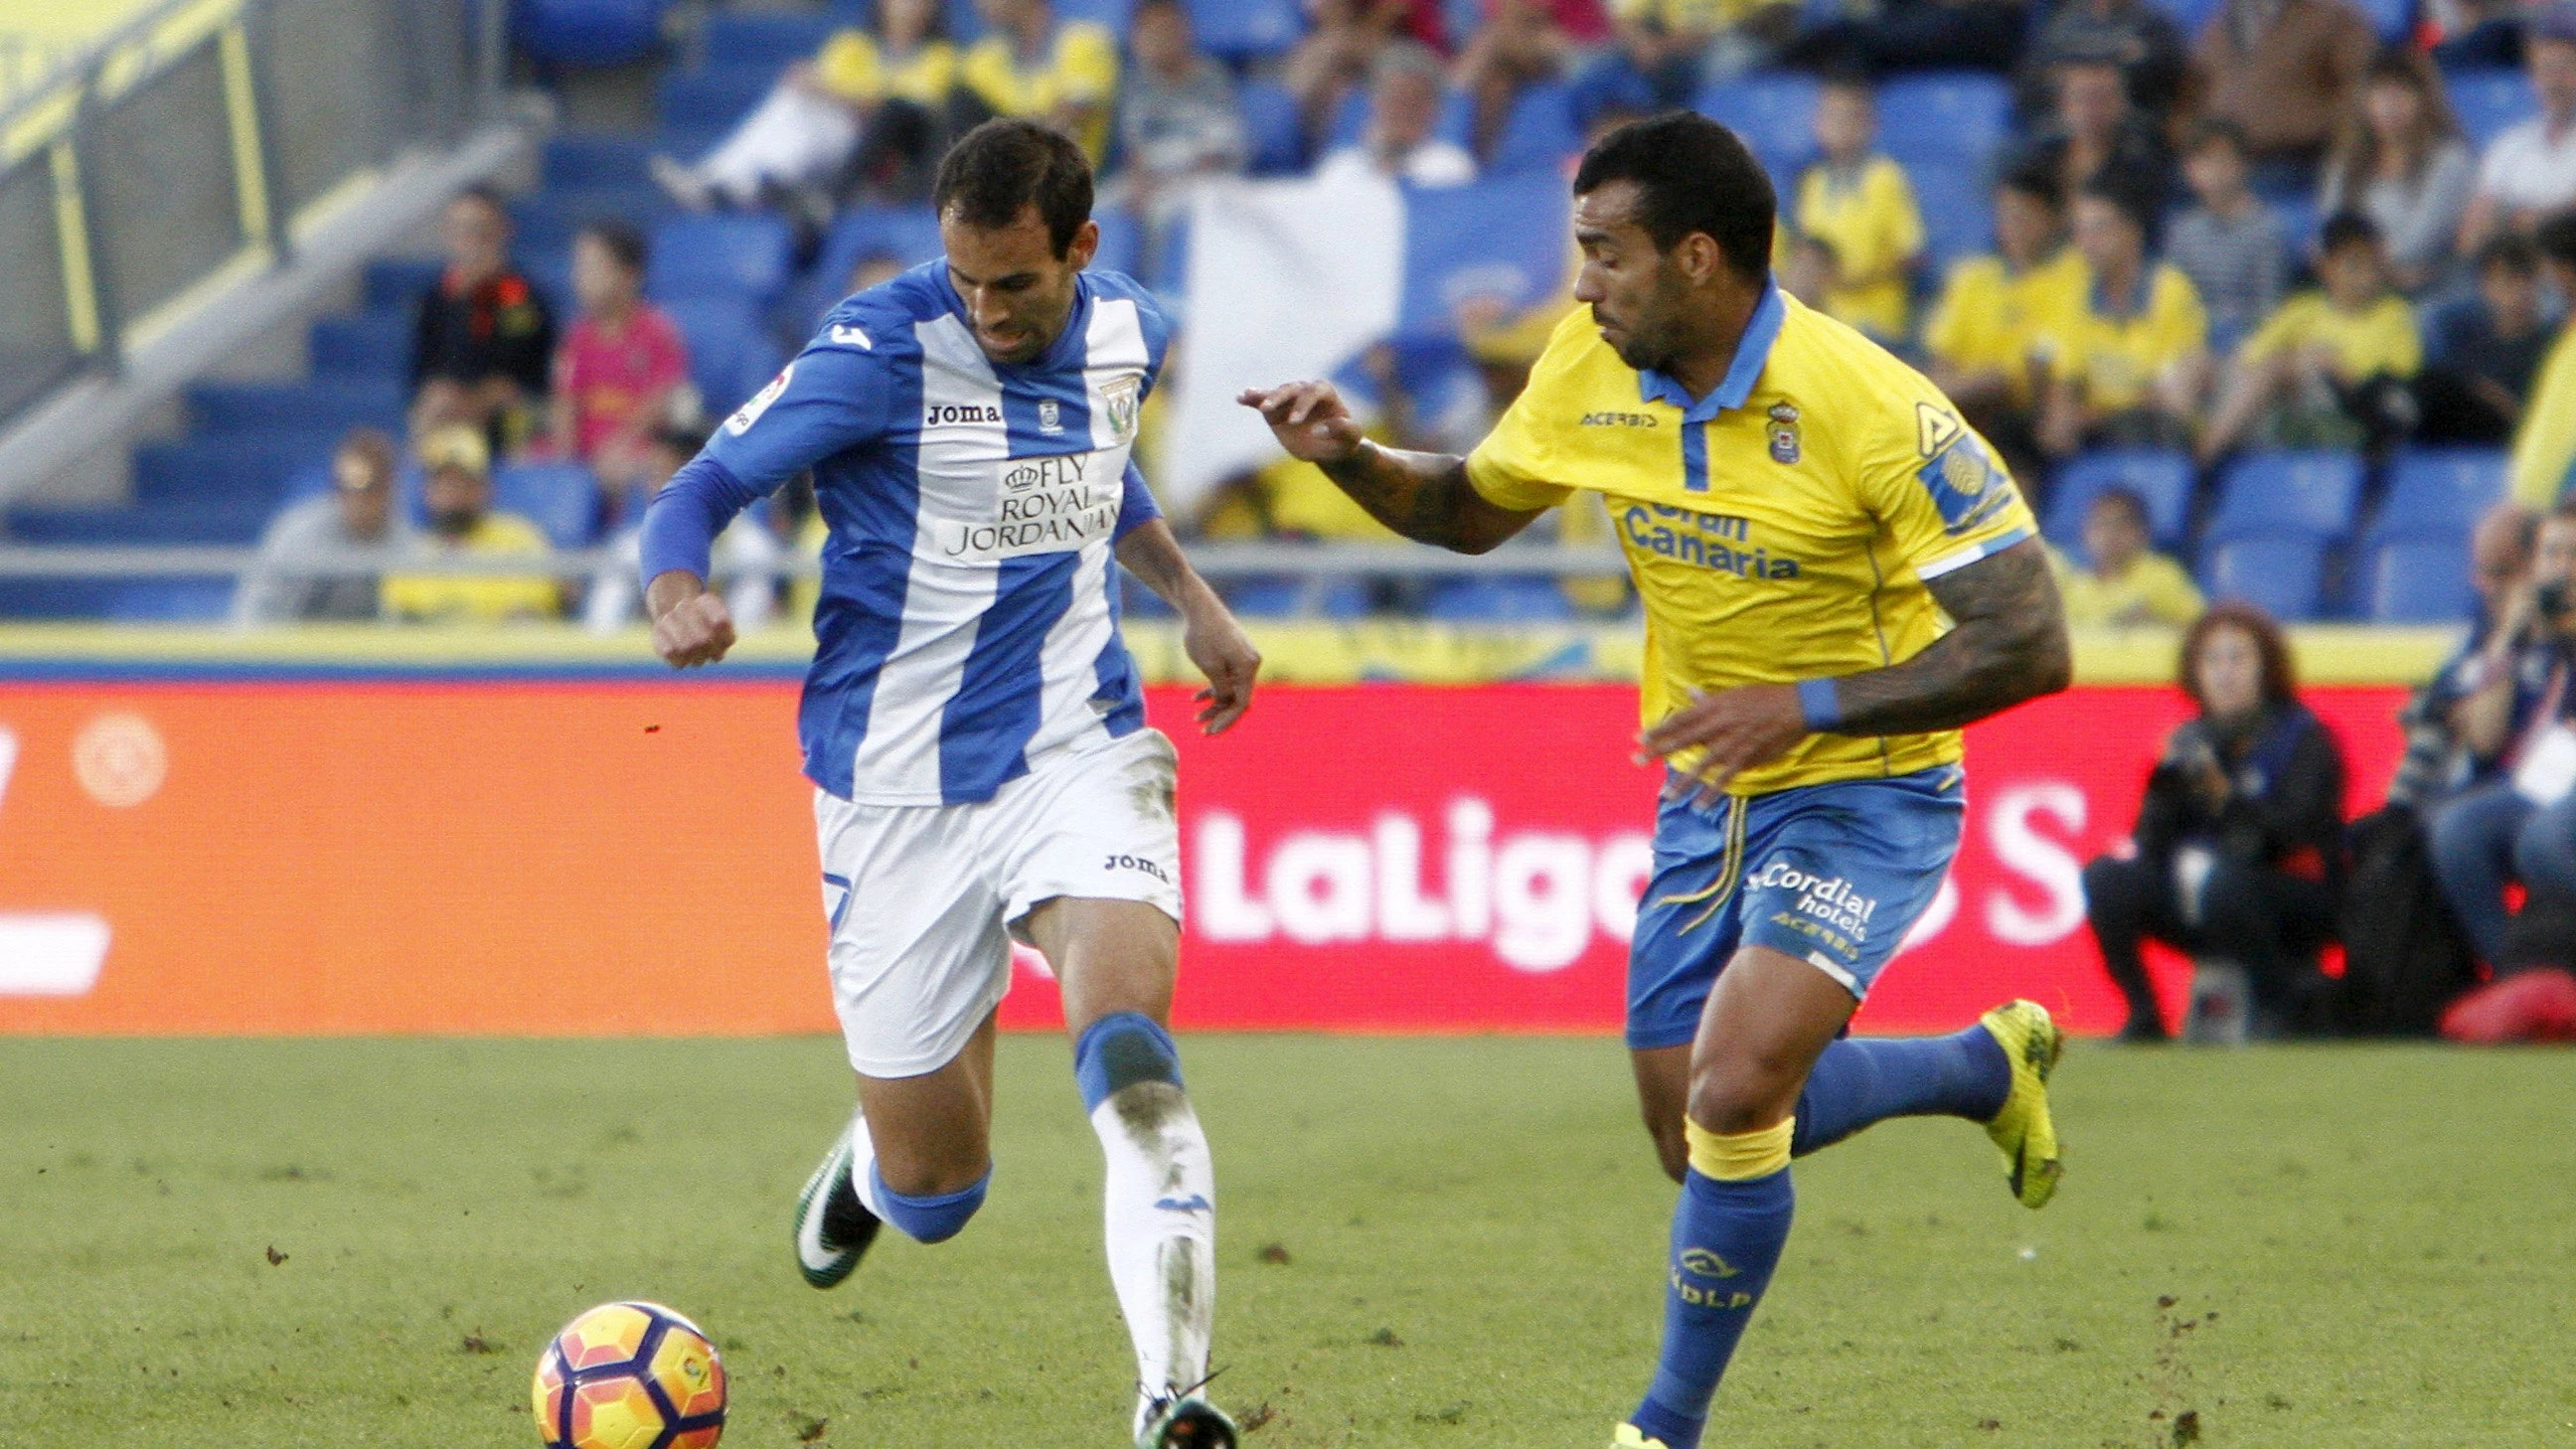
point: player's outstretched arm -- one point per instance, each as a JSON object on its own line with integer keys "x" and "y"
{"x": 690, "y": 622}
{"x": 1424, "y": 496}
{"x": 1209, "y": 634}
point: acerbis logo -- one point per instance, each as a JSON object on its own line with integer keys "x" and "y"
{"x": 1618, "y": 420}
{"x": 940, "y": 415}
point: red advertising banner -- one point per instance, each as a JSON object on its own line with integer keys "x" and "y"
{"x": 589, "y": 857}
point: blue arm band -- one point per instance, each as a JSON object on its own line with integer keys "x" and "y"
{"x": 1136, "y": 505}
{"x": 1819, "y": 702}
{"x": 680, "y": 528}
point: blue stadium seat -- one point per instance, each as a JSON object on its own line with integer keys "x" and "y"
{"x": 398, "y": 282}
{"x": 1116, "y": 14}
{"x": 1246, "y": 29}
{"x": 2161, "y": 476}
{"x": 560, "y": 498}
{"x": 2300, "y": 222}
{"x": 1958, "y": 215}
{"x": 710, "y": 99}
{"x": 544, "y": 222}
{"x": 375, "y": 343}
{"x": 1539, "y": 133}
{"x": 241, "y": 407}
{"x": 230, "y": 521}
{"x": 550, "y": 273}
{"x": 2284, "y": 573}
{"x": 2315, "y": 493}
{"x": 910, "y": 235}
{"x": 2488, "y": 101}
{"x": 187, "y": 599}
{"x": 2440, "y": 491}
{"x": 1514, "y": 600}
{"x": 2420, "y": 580}
{"x": 763, "y": 39}
{"x": 1944, "y": 115}
{"x": 1505, "y": 236}
{"x": 1294, "y": 598}
{"x": 2191, "y": 15}
{"x": 746, "y": 255}
{"x": 595, "y": 158}
{"x": 2393, "y": 19}
{"x": 1775, "y": 113}
{"x": 1122, "y": 241}
{"x": 587, "y": 32}
{"x": 1274, "y": 127}
{"x": 247, "y": 466}
{"x": 731, "y": 356}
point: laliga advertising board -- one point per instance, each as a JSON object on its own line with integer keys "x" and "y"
{"x": 453, "y": 855}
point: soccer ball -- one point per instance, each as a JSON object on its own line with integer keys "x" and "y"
{"x": 630, "y": 1376}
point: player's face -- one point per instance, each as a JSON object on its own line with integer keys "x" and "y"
{"x": 1635, "y": 293}
{"x": 1017, "y": 291}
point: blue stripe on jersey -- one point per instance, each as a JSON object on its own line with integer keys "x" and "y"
{"x": 1694, "y": 456}
{"x": 1115, "y": 669}
{"x": 989, "y": 721}
{"x": 1025, "y": 394}
{"x": 867, "y": 572}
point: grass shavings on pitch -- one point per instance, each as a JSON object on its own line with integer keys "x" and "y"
{"x": 1444, "y": 1242}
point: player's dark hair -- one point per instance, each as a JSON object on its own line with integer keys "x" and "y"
{"x": 2280, "y": 682}
{"x": 2556, "y": 239}
{"x": 2127, "y": 500}
{"x": 1004, "y": 166}
{"x": 1693, "y": 175}
{"x": 2512, "y": 251}
{"x": 1848, "y": 77}
{"x": 619, "y": 239}
{"x": 2345, "y": 229}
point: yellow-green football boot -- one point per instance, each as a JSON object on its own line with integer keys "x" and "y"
{"x": 2023, "y": 1129}
{"x": 1629, "y": 1436}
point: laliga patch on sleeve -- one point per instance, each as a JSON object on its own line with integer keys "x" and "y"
{"x": 1963, "y": 480}
{"x": 749, "y": 413}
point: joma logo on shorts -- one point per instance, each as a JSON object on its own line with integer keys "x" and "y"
{"x": 1137, "y": 862}
{"x": 942, "y": 414}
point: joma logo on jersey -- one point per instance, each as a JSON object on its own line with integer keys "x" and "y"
{"x": 1618, "y": 420}
{"x": 943, "y": 414}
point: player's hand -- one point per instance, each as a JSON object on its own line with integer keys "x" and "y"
{"x": 1224, "y": 653}
{"x": 1309, "y": 419}
{"x": 697, "y": 630}
{"x": 1738, "y": 728}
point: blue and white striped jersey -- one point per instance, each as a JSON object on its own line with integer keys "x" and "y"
{"x": 968, "y": 623}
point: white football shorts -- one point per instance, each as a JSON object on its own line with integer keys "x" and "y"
{"x": 924, "y": 900}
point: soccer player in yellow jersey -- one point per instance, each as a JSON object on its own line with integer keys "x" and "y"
{"x": 1837, "y": 577}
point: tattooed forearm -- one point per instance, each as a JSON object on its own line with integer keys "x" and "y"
{"x": 2009, "y": 645}
{"x": 1426, "y": 497}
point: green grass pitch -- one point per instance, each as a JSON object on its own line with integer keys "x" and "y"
{"x": 1437, "y": 1243}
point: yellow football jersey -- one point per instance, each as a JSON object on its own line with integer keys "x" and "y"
{"x": 1778, "y": 529}
{"x": 2381, "y": 338}
{"x": 1080, "y": 67}
{"x": 2116, "y": 358}
{"x": 1868, "y": 216}
{"x": 1987, "y": 317}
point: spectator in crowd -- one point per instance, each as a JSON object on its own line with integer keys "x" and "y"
{"x": 2137, "y": 36}
{"x": 1910, "y": 35}
{"x": 2129, "y": 366}
{"x": 1035, "y": 67}
{"x": 2480, "y": 35}
{"x": 2129, "y": 583}
{"x": 1664, "y": 51}
{"x": 1178, "y": 121}
{"x": 2330, "y": 368}
{"x": 2481, "y": 352}
{"x": 463, "y": 523}
{"x": 2229, "y": 244}
{"x": 1813, "y": 270}
{"x": 482, "y": 339}
{"x": 2544, "y": 442}
{"x": 2238, "y": 843}
{"x": 1859, "y": 201}
{"x": 2529, "y": 170}
{"x": 1992, "y": 311}
{"x": 2098, "y": 136}
{"x": 2450, "y": 746}
{"x": 2400, "y": 162}
{"x": 2284, "y": 71}
{"x": 2511, "y": 708}
{"x": 1522, "y": 43}
{"x": 1340, "y": 52}
{"x": 1404, "y": 107}
{"x": 622, "y": 367}
{"x": 877, "y": 101}
{"x": 747, "y": 552}
{"x": 358, "y": 516}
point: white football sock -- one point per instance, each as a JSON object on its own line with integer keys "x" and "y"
{"x": 1160, "y": 1214}
{"x": 863, "y": 1164}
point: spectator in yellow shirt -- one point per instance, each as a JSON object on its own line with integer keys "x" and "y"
{"x": 877, "y": 100}
{"x": 2128, "y": 367}
{"x": 2544, "y": 446}
{"x": 2129, "y": 583}
{"x": 1859, "y": 203}
{"x": 2327, "y": 367}
{"x": 1031, "y": 66}
{"x": 462, "y": 522}
{"x": 1993, "y": 309}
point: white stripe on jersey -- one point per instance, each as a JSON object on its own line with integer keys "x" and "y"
{"x": 1114, "y": 349}
{"x": 943, "y": 601}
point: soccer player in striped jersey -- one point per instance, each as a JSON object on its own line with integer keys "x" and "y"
{"x": 974, "y": 729}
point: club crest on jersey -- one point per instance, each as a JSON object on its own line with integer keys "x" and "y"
{"x": 740, "y": 423}
{"x": 1784, "y": 433}
{"x": 1122, "y": 397}
{"x": 1050, "y": 416}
